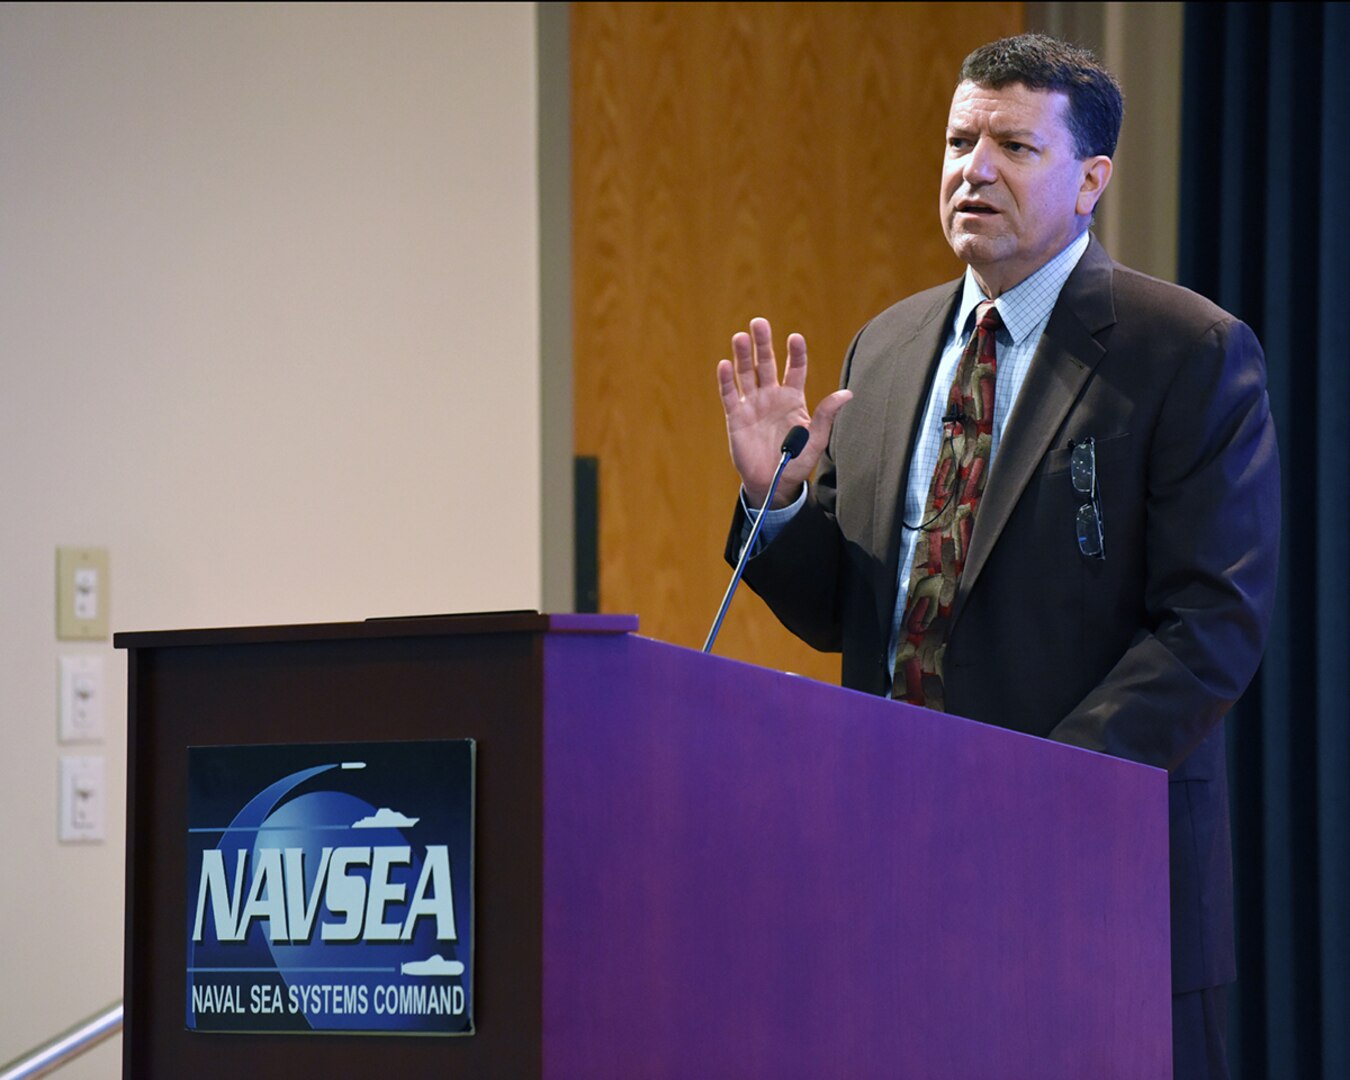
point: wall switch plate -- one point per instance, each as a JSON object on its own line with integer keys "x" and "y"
{"x": 83, "y": 783}
{"x": 82, "y": 697}
{"x": 81, "y": 594}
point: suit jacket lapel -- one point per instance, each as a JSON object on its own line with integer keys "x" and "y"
{"x": 907, "y": 393}
{"x": 1064, "y": 361}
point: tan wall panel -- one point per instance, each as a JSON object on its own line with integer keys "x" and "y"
{"x": 733, "y": 160}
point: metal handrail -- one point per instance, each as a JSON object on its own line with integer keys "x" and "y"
{"x": 69, "y": 1044}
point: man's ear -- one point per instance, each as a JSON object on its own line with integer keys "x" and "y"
{"x": 1096, "y": 175}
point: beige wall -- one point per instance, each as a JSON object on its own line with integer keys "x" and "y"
{"x": 269, "y": 332}
{"x": 1141, "y": 44}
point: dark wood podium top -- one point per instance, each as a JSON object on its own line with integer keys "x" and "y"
{"x": 483, "y": 622}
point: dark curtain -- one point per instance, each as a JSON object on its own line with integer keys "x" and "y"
{"x": 1265, "y": 214}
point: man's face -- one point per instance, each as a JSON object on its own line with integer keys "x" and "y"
{"x": 1014, "y": 193}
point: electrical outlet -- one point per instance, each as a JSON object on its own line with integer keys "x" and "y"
{"x": 82, "y": 698}
{"x": 81, "y": 594}
{"x": 83, "y": 782}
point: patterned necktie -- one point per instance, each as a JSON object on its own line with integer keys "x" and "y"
{"x": 949, "y": 518}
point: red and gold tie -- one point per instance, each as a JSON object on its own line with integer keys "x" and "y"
{"x": 949, "y": 518}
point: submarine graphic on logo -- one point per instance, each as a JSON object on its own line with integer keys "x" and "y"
{"x": 330, "y": 888}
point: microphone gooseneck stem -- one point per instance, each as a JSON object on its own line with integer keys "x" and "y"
{"x": 748, "y": 547}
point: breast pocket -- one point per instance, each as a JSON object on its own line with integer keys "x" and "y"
{"x": 1043, "y": 529}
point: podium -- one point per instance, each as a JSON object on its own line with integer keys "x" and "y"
{"x": 685, "y": 866}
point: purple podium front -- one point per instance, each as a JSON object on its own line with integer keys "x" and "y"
{"x": 686, "y": 866}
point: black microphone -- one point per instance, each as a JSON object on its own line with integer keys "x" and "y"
{"x": 956, "y": 416}
{"x": 793, "y": 445}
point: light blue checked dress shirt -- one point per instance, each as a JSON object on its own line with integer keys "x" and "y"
{"x": 1025, "y": 311}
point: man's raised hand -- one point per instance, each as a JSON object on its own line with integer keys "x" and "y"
{"x": 760, "y": 412}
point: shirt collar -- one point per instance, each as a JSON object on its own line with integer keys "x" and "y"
{"x": 1028, "y": 303}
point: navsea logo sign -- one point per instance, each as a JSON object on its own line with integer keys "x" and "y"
{"x": 330, "y": 888}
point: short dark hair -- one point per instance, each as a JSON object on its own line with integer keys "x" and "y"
{"x": 1041, "y": 62}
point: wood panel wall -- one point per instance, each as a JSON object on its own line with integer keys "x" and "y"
{"x": 733, "y": 160}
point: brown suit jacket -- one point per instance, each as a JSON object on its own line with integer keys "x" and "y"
{"x": 1139, "y": 655}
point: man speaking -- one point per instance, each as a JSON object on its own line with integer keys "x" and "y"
{"x": 1052, "y": 501}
